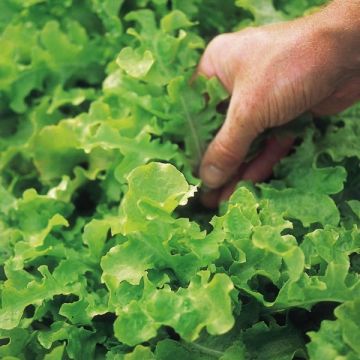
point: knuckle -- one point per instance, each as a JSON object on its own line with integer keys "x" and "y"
{"x": 218, "y": 42}
{"x": 212, "y": 50}
{"x": 219, "y": 38}
{"x": 250, "y": 31}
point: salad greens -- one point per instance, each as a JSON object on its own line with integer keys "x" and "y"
{"x": 105, "y": 252}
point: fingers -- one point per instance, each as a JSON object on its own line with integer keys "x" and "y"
{"x": 262, "y": 166}
{"x": 210, "y": 199}
{"x": 230, "y": 146}
{"x": 257, "y": 170}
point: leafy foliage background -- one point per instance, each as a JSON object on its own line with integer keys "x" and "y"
{"x": 104, "y": 253}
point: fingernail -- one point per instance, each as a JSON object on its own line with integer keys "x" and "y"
{"x": 212, "y": 176}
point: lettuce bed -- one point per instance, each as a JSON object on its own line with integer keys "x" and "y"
{"x": 105, "y": 252}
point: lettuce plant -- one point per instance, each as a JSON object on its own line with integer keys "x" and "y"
{"x": 105, "y": 252}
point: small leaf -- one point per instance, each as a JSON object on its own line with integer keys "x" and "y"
{"x": 135, "y": 64}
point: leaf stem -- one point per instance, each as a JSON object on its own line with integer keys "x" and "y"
{"x": 203, "y": 349}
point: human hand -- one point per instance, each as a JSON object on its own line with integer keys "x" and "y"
{"x": 275, "y": 73}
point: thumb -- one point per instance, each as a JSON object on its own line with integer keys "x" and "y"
{"x": 227, "y": 151}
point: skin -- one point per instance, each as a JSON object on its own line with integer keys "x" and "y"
{"x": 275, "y": 73}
